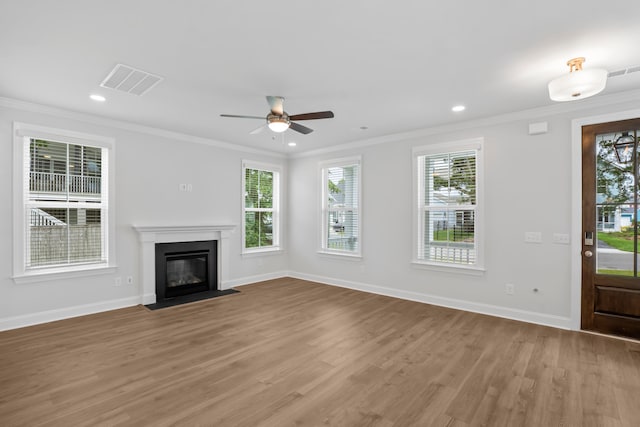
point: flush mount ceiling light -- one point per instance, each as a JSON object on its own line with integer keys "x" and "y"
{"x": 98, "y": 98}
{"x": 578, "y": 83}
{"x": 458, "y": 108}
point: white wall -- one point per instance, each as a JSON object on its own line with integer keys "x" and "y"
{"x": 528, "y": 188}
{"x": 530, "y": 181}
{"x": 149, "y": 169}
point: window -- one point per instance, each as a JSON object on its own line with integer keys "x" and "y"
{"x": 261, "y": 226}
{"x": 62, "y": 201}
{"x": 447, "y": 215}
{"x": 341, "y": 207}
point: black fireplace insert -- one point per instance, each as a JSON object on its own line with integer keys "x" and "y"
{"x": 184, "y": 268}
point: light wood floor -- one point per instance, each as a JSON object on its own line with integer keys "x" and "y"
{"x": 290, "y": 352}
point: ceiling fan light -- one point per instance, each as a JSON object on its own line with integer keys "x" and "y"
{"x": 578, "y": 84}
{"x": 278, "y": 125}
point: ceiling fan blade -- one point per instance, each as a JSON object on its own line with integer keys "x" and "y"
{"x": 258, "y": 130}
{"x": 276, "y": 104}
{"x": 242, "y": 117}
{"x": 299, "y": 128}
{"x": 313, "y": 116}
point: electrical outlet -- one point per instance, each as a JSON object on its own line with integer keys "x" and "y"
{"x": 129, "y": 280}
{"x": 510, "y": 289}
{"x": 189, "y": 188}
{"x": 117, "y": 281}
{"x": 533, "y": 237}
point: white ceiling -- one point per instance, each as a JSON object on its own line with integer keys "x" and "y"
{"x": 392, "y": 66}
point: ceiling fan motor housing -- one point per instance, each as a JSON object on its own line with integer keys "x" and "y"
{"x": 278, "y": 118}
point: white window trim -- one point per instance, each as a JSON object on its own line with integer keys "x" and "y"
{"x": 277, "y": 213}
{"x": 323, "y": 166}
{"x": 22, "y": 132}
{"x": 476, "y": 144}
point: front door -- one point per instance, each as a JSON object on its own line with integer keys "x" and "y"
{"x": 610, "y": 207}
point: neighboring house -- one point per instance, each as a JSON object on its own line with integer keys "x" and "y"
{"x": 450, "y": 232}
{"x": 453, "y": 221}
{"x": 613, "y": 219}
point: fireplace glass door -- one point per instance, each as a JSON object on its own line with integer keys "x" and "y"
{"x": 186, "y": 273}
{"x": 184, "y": 268}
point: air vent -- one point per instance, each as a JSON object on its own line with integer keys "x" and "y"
{"x": 624, "y": 71}
{"x": 130, "y": 80}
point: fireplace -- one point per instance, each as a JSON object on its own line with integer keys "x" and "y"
{"x": 151, "y": 235}
{"x": 184, "y": 268}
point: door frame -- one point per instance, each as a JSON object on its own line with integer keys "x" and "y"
{"x": 576, "y": 204}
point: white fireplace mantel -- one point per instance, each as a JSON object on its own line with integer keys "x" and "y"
{"x": 149, "y": 235}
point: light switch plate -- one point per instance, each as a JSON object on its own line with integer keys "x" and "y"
{"x": 533, "y": 237}
{"x": 561, "y": 238}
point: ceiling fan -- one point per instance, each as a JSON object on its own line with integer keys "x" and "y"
{"x": 278, "y": 120}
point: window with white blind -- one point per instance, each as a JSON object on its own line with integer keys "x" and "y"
{"x": 64, "y": 200}
{"x": 448, "y": 182}
{"x": 341, "y": 214}
{"x": 261, "y": 224}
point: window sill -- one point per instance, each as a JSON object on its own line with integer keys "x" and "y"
{"x": 341, "y": 255}
{"x": 50, "y": 274}
{"x": 449, "y": 268}
{"x": 276, "y": 250}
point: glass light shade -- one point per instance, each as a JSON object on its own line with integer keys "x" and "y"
{"x": 577, "y": 85}
{"x": 278, "y": 125}
{"x": 624, "y": 147}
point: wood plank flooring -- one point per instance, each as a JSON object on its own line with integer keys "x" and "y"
{"x": 293, "y": 353}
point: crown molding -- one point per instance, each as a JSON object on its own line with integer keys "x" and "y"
{"x": 529, "y": 114}
{"x": 132, "y": 127}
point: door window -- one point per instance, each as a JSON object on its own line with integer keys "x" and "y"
{"x": 617, "y": 203}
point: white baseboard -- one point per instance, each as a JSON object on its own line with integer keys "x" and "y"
{"x": 147, "y": 299}
{"x": 65, "y": 313}
{"x": 228, "y": 284}
{"x": 22, "y": 321}
{"x": 491, "y": 310}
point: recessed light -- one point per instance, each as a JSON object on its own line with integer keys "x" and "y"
{"x": 458, "y": 108}
{"x": 292, "y": 144}
{"x": 97, "y": 97}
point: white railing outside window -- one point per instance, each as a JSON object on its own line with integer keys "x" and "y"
{"x": 48, "y": 182}
{"x": 61, "y": 195}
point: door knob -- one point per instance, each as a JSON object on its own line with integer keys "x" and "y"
{"x": 588, "y": 254}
